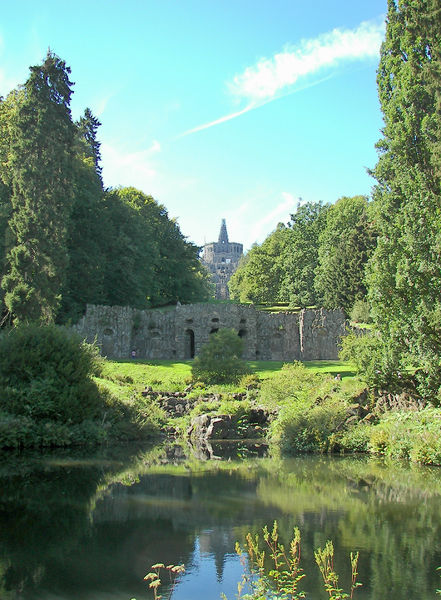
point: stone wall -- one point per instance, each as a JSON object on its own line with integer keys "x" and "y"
{"x": 180, "y": 332}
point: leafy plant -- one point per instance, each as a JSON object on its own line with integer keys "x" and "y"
{"x": 376, "y": 363}
{"x": 325, "y": 562}
{"x": 361, "y": 312}
{"x": 46, "y": 373}
{"x": 281, "y": 580}
{"x": 219, "y": 360}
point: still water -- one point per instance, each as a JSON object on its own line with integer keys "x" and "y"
{"x": 76, "y": 526}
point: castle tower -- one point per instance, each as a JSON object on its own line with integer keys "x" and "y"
{"x": 221, "y": 259}
{"x": 223, "y": 234}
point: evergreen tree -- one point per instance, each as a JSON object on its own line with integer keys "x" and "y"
{"x": 405, "y": 272}
{"x": 345, "y": 245}
{"x": 87, "y": 128}
{"x": 85, "y": 273}
{"x": 39, "y": 169}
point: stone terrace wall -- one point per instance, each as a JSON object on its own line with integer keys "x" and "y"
{"x": 181, "y": 332}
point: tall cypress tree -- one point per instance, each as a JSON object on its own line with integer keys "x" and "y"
{"x": 40, "y": 137}
{"x": 405, "y": 272}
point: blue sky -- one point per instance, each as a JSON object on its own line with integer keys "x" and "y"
{"x": 218, "y": 108}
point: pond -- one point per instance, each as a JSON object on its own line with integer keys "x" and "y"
{"x": 78, "y": 526}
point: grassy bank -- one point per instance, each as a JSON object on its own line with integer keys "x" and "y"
{"x": 320, "y": 406}
{"x": 317, "y": 406}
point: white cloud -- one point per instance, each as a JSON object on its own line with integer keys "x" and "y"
{"x": 290, "y": 71}
{"x": 271, "y": 76}
{"x": 100, "y": 104}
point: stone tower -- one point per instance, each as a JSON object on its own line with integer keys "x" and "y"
{"x": 221, "y": 259}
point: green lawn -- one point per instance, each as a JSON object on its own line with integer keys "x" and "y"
{"x": 127, "y": 376}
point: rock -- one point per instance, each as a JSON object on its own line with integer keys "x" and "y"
{"x": 221, "y": 427}
{"x": 259, "y": 416}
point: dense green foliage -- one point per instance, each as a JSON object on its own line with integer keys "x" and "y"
{"x": 405, "y": 271}
{"x": 361, "y": 312}
{"x": 313, "y": 409}
{"x": 410, "y": 435}
{"x": 261, "y": 271}
{"x": 375, "y": 362}
{"x": 345, "y": 244}
{"x": 282, "y": 268}
{"x": 301, "y": 259}
{"x": 219, "y": 361}
{"x": 46, "y": 373}
{"x": 37, "y": 164}
{"x": 319, "y": 258}
{"x": 64, "y": 240}
{"x": 49, "y": 396}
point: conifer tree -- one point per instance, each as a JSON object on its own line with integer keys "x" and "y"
{"x": 345, "y": 244}
{"x": 405, "y": 272}
{"x": 85, "y": 273}
{"x": 39, "y": 168}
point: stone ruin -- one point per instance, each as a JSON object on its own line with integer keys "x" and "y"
{"x": 221, "y": 258}
{"x": 180, "y": 332}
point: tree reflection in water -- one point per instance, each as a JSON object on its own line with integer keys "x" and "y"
{"x": 89, "y": 526}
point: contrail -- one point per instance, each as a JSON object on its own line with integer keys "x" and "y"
{"x": 218, "y": 121}
{"x": 251, "y": 106}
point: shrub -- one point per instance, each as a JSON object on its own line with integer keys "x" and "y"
{"x": 46, "y": 373}
{"x": 374, "y": 362}
{"x": 219, "y": 360}
{"x": 361, "y": 312}
{"x": 307, "y": 427}
{"x": 356, "y": 439}
{"x": 409, "y": 434}
{"x": 293, "y": 382}
{"x": 313, "y": 409}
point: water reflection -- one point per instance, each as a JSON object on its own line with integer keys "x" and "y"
{"x": 76, "y": 526}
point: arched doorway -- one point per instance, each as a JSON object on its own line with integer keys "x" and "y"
{"x": 189, "y": 343}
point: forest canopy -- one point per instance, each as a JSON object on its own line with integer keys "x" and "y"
{"x": 65, "y": 240}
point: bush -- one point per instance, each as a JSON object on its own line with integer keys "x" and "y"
{"x": 374, "y": 362}
{"x": 219, "y": 360}
{"x": 313, "y": 409}
{"x": 293, "y": 382}
{"x": 356, "y": 439}
{"x": 46, "y": 373}
{"x": 308, "y": 427}
{"x": 409, "y": 434}
{"x": 361, "y": 312}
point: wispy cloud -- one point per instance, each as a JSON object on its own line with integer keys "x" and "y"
{"x": 285, "y": 206}
{"x": 270, "y": 76}
{"x": 297, "y": 67}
